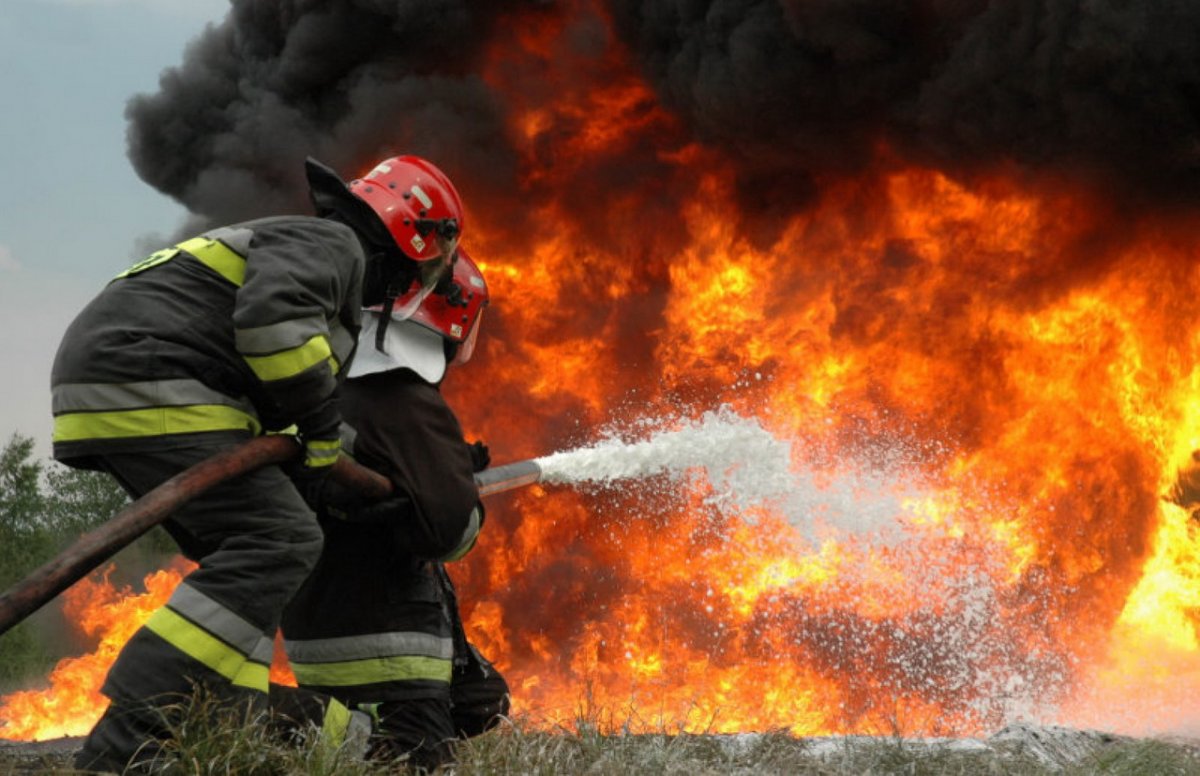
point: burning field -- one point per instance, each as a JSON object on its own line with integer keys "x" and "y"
{"x": 943, "y": 256}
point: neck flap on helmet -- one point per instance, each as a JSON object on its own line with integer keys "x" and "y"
{"x": 332, "y": 198}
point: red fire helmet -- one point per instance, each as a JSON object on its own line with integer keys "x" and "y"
{"x": 417, "y": 203}
{"x": 456, "y": 314}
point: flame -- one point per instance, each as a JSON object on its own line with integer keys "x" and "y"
{"x": 106, "y": 614}
{"x": 998, "y": 371}
{"x": 1018, "y": 354}
{"x": 109, "y": 615}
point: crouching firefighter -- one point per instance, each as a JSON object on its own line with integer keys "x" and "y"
{"x": 241, "y": 330}
{"x": 376, "y": 626}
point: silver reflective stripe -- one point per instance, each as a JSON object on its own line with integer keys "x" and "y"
{"x": 285, "y": 335}
{"x": 348, "y": 434}
{"x": 238, "y": 240}
{"x": 82, "y": 397}
{"x": 217, "y": 620}
{"x": 264, "y": 652}
{"x": 368, "y": 646}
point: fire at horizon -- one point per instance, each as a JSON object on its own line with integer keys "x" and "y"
{"x": 1015, "y": 352}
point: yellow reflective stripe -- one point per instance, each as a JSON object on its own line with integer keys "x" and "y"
{"x": 320, "y": 452}
{"x": 153, "y": 421}
{"x": 293, "y": 361}
{"x": 218, "y": 257}
{"x": 372, "y": 670}
{"x": 153, "y": 260}
{"x": 203, "y": 647}
{"x": 254, "y": 676}
{"x": 213, "y": 254}
{"x": 333, "y": 726}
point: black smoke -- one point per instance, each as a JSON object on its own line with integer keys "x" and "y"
{"x": 346, "y": 81}
{"x": 1104, "y": 91}
{"x": 793, "y": 91}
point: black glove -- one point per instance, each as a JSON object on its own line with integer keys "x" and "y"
{"x": 310, "y": 472}
{"x": 480, "y": 457}
{"x": 310, "y": 482}
{"x": 322, "y": 444}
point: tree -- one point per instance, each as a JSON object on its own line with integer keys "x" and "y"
{"x": 20, "y": 506}
{"x": 77, "y": 500}
{"x": 41, "y": 511}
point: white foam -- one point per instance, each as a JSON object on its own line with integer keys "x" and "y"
{"x": 740, "y": 458}
{"x": 869, "y": 490}
{"x": 747, "y": 468}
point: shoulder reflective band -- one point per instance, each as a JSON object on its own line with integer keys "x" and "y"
{"x": 218, "y": 257}
{"x": 213, "y": 254}
{"x": 153, "y": 260}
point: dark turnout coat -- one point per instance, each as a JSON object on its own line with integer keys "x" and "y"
{"x": 240, "y": 329}
{"x": 372, "y": 622}
{"x": 198, "y": 346}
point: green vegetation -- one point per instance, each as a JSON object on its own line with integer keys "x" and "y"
{"x": 42, "y": 509}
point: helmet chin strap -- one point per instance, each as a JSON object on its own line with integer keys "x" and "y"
{"x": 401, "y": 278}
{"x": 384, "y": 319}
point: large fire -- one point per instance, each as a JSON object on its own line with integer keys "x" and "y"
{"x": 1014, "y": 357}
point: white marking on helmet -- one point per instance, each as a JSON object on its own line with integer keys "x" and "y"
{"x": 417, "y": 243}
{"x": 420, "y": 194}
{"x": 455, "y": 330}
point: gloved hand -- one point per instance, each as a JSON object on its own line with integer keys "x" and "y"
{"x": 310, "y": 483}
{"x": 481, "y": 458}
{"x": 310, "y": 474}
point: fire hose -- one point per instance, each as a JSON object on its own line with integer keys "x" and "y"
{"x": 101, "y": 543}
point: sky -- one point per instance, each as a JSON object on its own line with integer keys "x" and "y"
{"x": 72, "y": 211}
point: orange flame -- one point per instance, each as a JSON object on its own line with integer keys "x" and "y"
{"x": 110, "y": 615}
{"x": 1001, "y": 370}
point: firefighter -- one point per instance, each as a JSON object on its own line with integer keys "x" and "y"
{"x": 242, "y": 330}
{"x": 376, "y": 626}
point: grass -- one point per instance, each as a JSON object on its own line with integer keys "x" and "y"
{"x": 209, "y": 742}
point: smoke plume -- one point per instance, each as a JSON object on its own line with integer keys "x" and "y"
{"x": 793, "y": 91}
{"x": 1108, "y": 91}
{"x": 345, "y": 81}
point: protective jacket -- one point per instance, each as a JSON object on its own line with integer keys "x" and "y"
{"x": 372, "y": 621}
{"x": 240, "y": 329}
{"x": 186, "y": 353}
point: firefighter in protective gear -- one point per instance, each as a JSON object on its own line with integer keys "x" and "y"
{"x": 376, "y": 625}
{"x": 241, "y": 330}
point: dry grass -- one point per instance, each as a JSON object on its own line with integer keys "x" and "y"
{"x": 208, "y": 742}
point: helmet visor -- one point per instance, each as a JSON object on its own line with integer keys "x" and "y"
{"x": 429, "y": 275}
{"x": 467, "y": 348}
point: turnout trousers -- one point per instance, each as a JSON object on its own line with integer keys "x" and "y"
{"x": 255, "y": 541}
